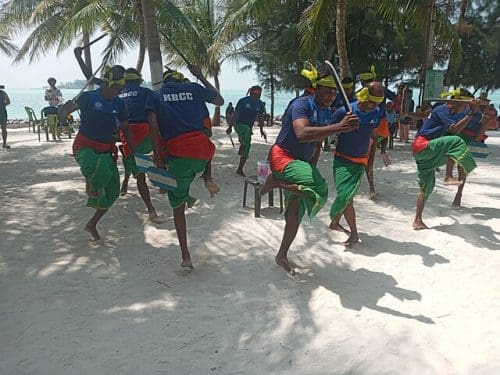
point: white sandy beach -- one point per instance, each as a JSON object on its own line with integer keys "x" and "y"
{"x": 400, "y": 302}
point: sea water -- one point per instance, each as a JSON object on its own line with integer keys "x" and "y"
{"x": 34, "y": 98}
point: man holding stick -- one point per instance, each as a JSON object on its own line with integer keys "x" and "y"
{"x": 293, "y": 157}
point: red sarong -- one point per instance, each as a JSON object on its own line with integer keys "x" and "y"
{"x": 419, "y": 144}
{"x": 139, "y": 131}
{"x": 383, "y": 128}
{"x": 192, "y": 145}
{"x": 279, "y": 159}
{"x": 83, "y": 142}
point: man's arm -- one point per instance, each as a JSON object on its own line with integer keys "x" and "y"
{"x": 196, "y": 71}
{"x": 128, "y": 135}
{"x": 461, "y": 124}
{"x": 7, "y": 99}
{"x": 306, "y": 133}
{"x": 155, "y": 139}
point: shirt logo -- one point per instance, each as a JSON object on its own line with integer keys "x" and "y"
{"x": 98, "y": 105}
{"x": 180, "y": 97}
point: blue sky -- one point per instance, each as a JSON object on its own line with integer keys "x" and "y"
{"x": 65, "y": 68}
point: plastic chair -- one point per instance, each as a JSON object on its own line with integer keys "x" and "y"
{"x": 32, "y": 120}
{"x": 49, "y": 123}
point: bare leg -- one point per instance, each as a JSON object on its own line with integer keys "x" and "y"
{"x": 273, "y": 183}
{"x": 369, "y": 168}
{"x": 418, "y": 223}
{"x": 91, "y": 226}
{"x": 449, "y": 169}
{"x": 4, "y": 136}
{"x": 457, "y": 202}
{"x": 211, "y": 186}
{"x": 350, "y": 217}
{"x": 291, "y": 228}
{"x": 124, "y": 187}
{"x": 180, "y": 228}
{"x": 239, "y": 171}
{"x": 448, "y": 179}
{"x": 335, "y": 225}
{"x": 142, "y": 186}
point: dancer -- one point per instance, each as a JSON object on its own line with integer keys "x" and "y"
{"x": 352, "y": 157}
{"x": 432, "y": 147}
{"x": 293, "y": 157}
{"x": 247, "y": 111}
{"x": 473, "y": 131}
{"x": 176, "y": 113}
{"x": 100, "y": 111}
{"x": 382, "y": 132}
{"x": 135, "y": 96}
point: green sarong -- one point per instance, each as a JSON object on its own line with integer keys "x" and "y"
{"x": 184, "y": 170}
{"x": 436, "y": 154}
{"x": 244, "y": 137}
{"x": 102, "y": 174}
{"x": 145, "y": 147}
{"x": 467, "y": 138}
{"x": 311, "y": 184}
{"x": 347, "y": 178}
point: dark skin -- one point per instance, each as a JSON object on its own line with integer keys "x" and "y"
{"x": 305, "y": 133}
{"x": 375, "y": 89}
{"x": 107, "y": 92}
{"x": 455, "y": 107}
{"x": 179, "y": 215}
{"x": 260, "y": 120}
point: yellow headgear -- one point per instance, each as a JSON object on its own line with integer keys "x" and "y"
{"x": 455, "y": 94}
{"x": 368, "y": 75}
{"x": 312, "y": 76}
{"x": 364, "y": 95}
{"x": 132, "y": 75}
{"x": 109, "y": 72}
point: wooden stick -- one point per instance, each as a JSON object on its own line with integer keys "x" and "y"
{"x": 338, "y": 82}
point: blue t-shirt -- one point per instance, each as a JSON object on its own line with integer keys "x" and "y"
{"x": 302, "y": 108}
{"x": 135, "y": 97}
{"x": 355, "y": 143}
{"x": 100, "y": 117}
{"x": 438, "y": 122}
{"x": 338, "y": 102}
{"x": 474, "y": 124}
{"x": 248, "y": 109}
{"x": 180, "y": 107}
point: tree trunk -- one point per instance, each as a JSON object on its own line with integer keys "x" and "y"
{"x": 142, "y": 37}
{"x": 86, "y": 56}
{"x": 272, "y": 100}
{"x": 429, "y": 48}
{"x": 340, "y": 23}
{"x": 216, "y": 118}
{"x": 152, "y": 43}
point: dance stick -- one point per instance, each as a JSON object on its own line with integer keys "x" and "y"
{"x": 94, "y": 41}
{"x": 176, "y": 49}
{"x": 338, "y": 82}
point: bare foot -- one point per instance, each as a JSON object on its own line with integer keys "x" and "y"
{"x": 6, "y": 146}
{"x": 93, "y": 232}
{"x": 353, "y": 238}
{"x": 452, "y": 181}
{"x": 186, "y": 263}
{"x": 212, "y": 188}
{"x": 336, "y": 226}
{"x": 238, "y": 172}
{"x": 419, "y": 225}
{"x": 268, "y": 185}
{"x": 373, "y": 195}
{"x": 162, "y": 191}
{"x": 283, "y": 262}
{"x": 155, "y": 218}
{"x": 123, "y": 192}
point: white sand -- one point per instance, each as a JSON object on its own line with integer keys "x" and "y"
{"x": 402, "y": 302}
